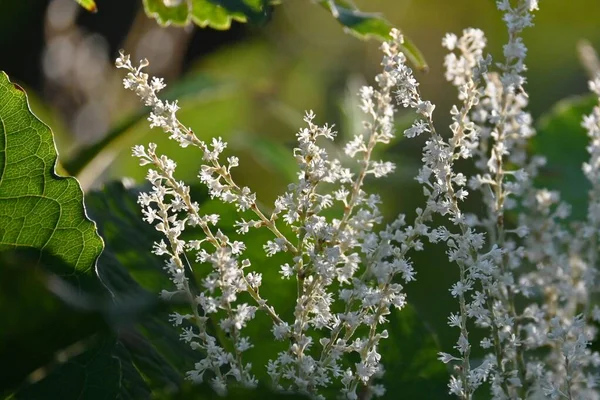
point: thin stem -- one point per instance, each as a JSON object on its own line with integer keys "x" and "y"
{"x": 270, "y": 224}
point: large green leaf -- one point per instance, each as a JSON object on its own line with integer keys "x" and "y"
{"x": 216, "y": 14}
{"x": 409, "y": 356}
{"x": 152, "y": 356}
{"x": 563, "y": 141}
{"x": 39, "y": 209}
{"x": 49, "y": 246}
{"x": 365, "y": 25}
{"x": 42, "y": 314}
{"x": 95, "y": 374}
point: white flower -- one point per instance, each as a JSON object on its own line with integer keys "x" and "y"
{"x": 522, "y": 272}
{"x": 418, "y": 127}
{"x": 446, "y": 358}
{"x": 449, "y": 41}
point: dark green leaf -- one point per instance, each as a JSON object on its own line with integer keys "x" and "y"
{"x": 152, "y": 355}
{"x": 95, "y": 374}
{"x": 410, "y": 359}
{"x": 39, "y": 209}
{"x": 563, "y": 141}
{"x": 365, "y": 25}
{"x": 133, "y": 386}
{"x": 41, "y": 313}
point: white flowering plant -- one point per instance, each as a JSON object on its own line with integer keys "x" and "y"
{"x": 309, "y": 296}
{"x": 527, "y": 278}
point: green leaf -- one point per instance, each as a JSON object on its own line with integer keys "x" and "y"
{"x": 563, "y": 141}
{"x": 49, "y": 246}
{"x": 216, "y": 14}
{"x": 39, "y": 209}
{"x": 205, "y": 13}
{"x": 176, "y": 15}
{"x": 366, "y": 25}
{"x": 41, "y": 313}
{"x": 94, "y": 374}
{"x": 409, "y": 357}
{"x": 151, "y": 354}
{"x": 89, "y": 5}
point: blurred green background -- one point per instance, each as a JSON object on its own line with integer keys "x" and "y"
{"x": 251, "y": 85}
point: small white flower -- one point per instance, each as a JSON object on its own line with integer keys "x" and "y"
{"x": 446, "y": 358}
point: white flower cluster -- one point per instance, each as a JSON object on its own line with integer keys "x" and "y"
{"x": 341, "y": 260}
{"x": 525, "y": 276}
